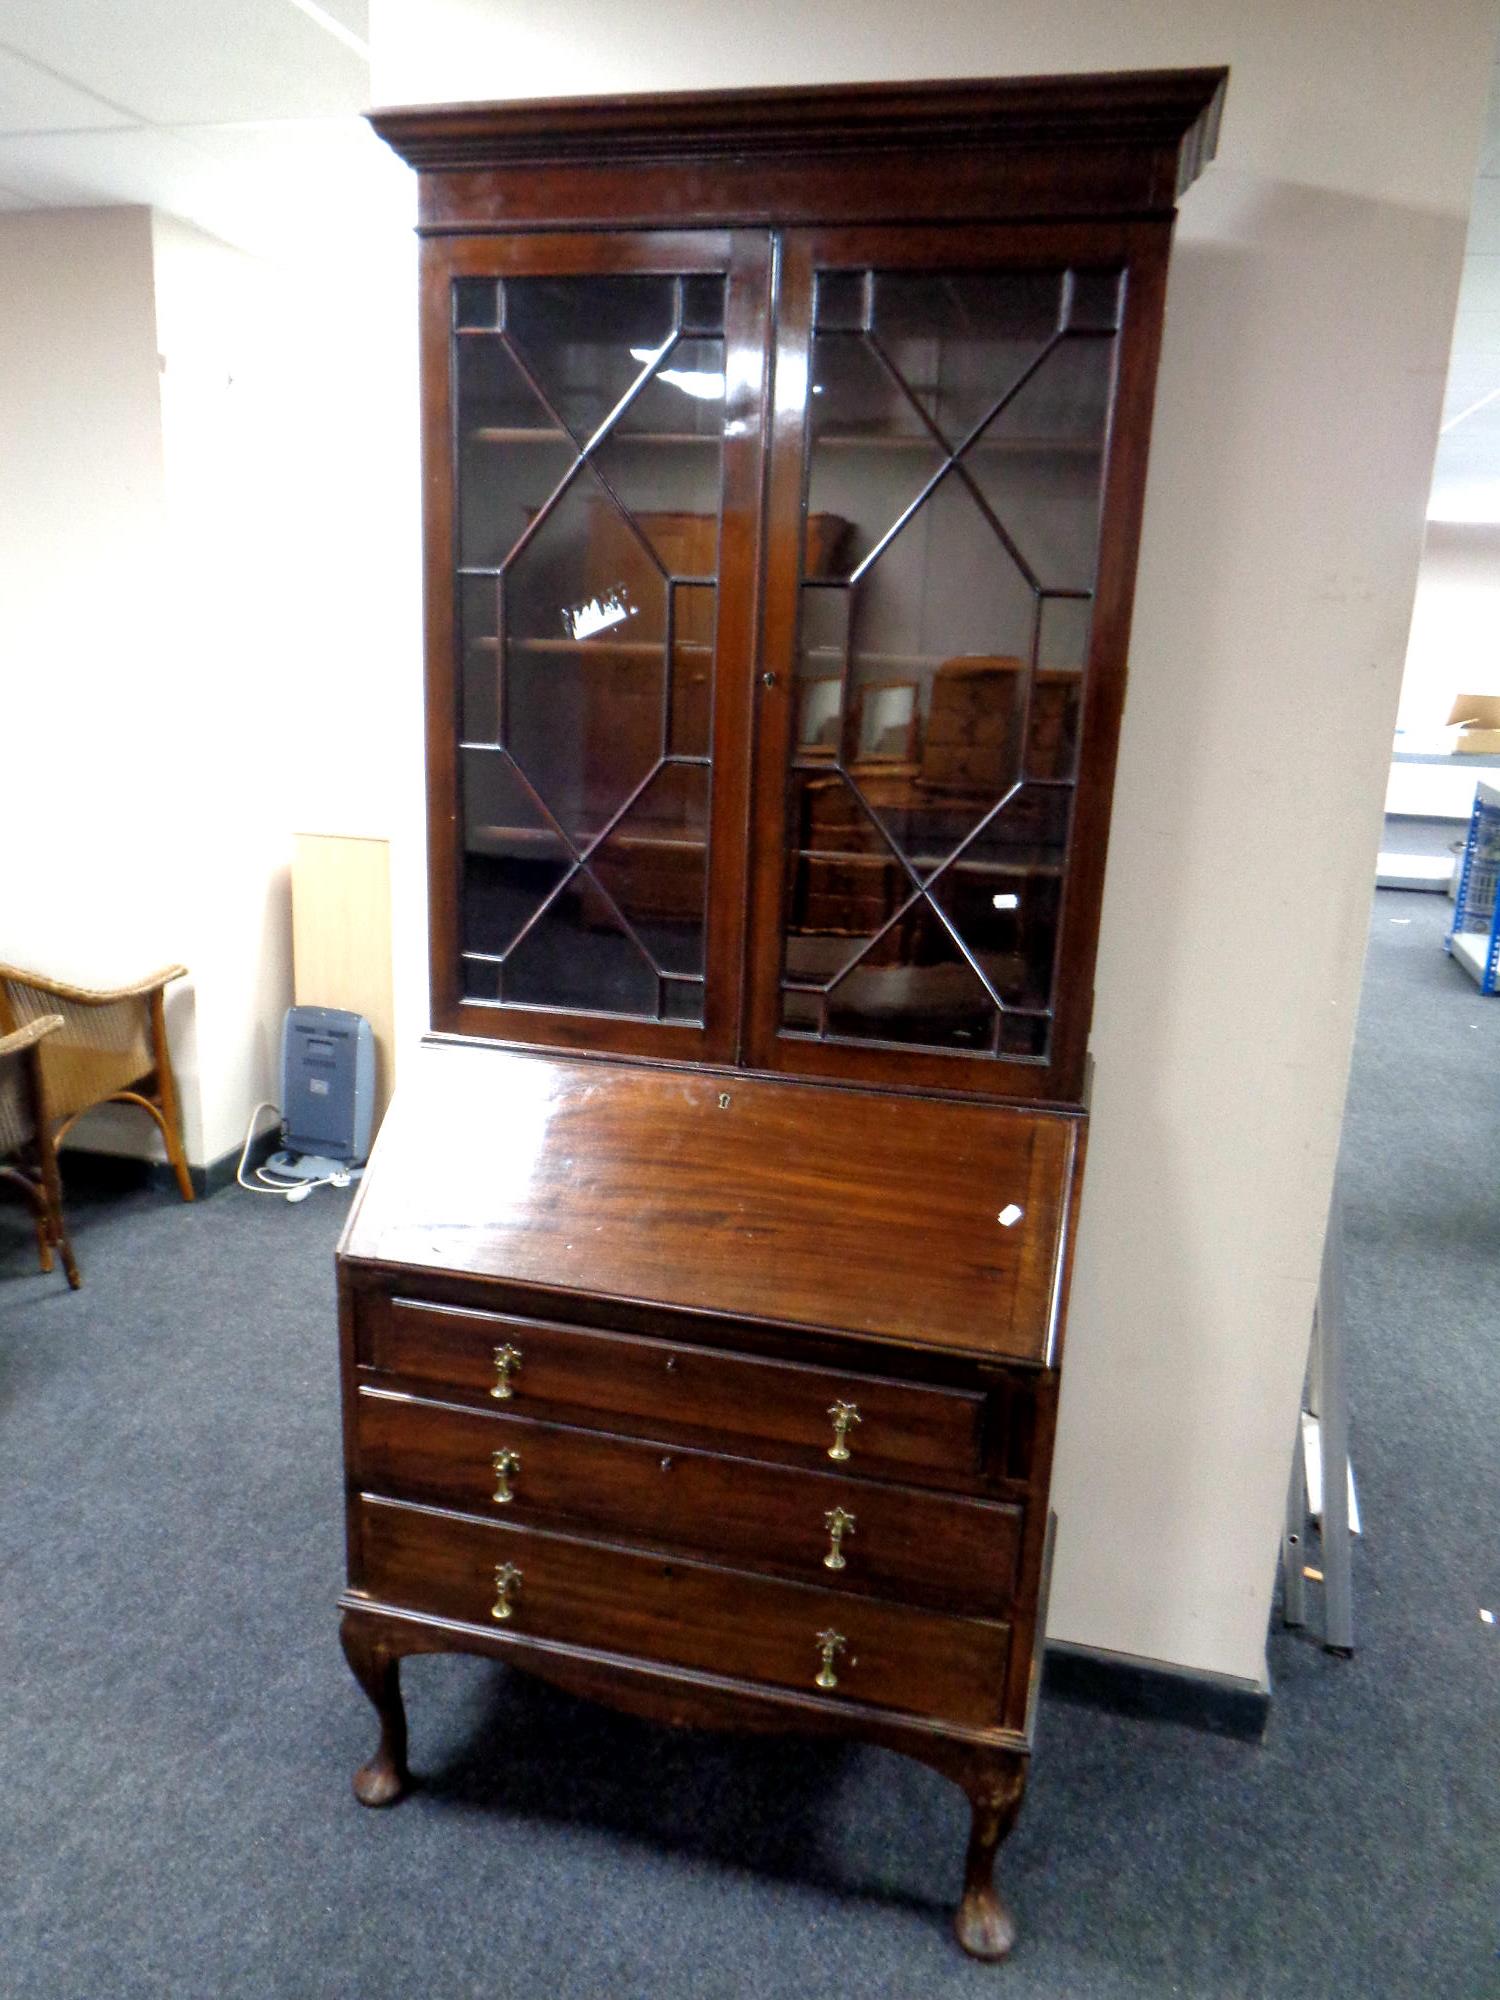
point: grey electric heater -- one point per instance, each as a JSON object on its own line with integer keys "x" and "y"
{"x": 327, "y": 1093}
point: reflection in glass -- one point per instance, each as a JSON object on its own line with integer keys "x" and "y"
{"x": 652, "y": 866}
{"x": 956, "y": 431}
{"x": 819, "y": 700}
{"x": 590, "y": 421}
{"x": 887, "y": 729}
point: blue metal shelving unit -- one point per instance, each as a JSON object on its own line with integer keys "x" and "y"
{"x": 1475, "y": 937}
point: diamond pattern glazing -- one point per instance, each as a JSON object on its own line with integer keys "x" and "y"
{"x": 957, "y": 427}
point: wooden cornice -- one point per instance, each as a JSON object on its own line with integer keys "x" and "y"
{"x": 1146, "y": 109}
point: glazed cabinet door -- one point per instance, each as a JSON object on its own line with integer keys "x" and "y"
{"x": 958, "y": 454}
{"x": 593, "y": 494}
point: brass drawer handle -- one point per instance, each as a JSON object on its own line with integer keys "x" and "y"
{"x": 838, "y": 1523}
{"x": 507, "y": 1361}
{"x": 844, "y": 1415}
{"x": 507, "y": 1464}
{"x": 507, "y": 1586}
{"x": 830, "y": 1645}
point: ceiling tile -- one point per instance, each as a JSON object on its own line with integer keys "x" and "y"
{"x": 1484, "y": 220}
{"x": 1478, "y": 287}
{"x": 1476, "y": 332}
{"x": 351, "y": 14}
{"x": 286, "y": 187}
{"x": 179, "y": 62}
{"x": 137, "y": 164}
{"x": 33, "y": 101}
{"x": 295, "y": 189}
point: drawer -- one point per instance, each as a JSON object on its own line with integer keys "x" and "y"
{"x": 681, "y": 1613}
{"x": 894, "y": 1541}
{"x": 623, "y": 1382}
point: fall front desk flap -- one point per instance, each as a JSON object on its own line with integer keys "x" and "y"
{"x": 937, "y": 1223}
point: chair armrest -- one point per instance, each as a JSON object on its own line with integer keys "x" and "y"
{"x": 87, "y": 996}
{"x": 25, "y": 1038}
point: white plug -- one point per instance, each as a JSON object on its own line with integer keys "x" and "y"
{"x": 300, "y": 1193}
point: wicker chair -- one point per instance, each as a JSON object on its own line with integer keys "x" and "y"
{"x": 112, "y": 1050}
{"x": 24, "y": 1135}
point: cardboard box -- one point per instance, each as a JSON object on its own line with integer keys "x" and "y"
{"x": 1479, "y": 717}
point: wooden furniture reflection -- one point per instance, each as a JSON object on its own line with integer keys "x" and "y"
{"x": 971, "y": 740}
{"x": 28, "y": 1160}
{"x": 112, "y": 1049}
{"x": 706, "y": 1362}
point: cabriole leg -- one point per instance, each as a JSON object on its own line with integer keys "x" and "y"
{"x": 985, "y": 1926}
{"x": 377, "y": 1668}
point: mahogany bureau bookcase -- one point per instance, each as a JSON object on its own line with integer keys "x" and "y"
{"x": 702, "y": 1309}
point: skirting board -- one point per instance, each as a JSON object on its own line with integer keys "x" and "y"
{"x": 1219, "y": 1703}
{"x": 121, "y": 1172}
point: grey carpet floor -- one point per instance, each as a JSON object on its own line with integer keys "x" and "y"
{"x": 179, "y": 1729}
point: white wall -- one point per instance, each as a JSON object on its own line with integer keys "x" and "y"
{"x": 222, "y": 342}
{"x": 1308, "y": 320}
{"x": 1455, "y": 624}
{"x": 140, "y": 574}
{"x": 94, "y": 870}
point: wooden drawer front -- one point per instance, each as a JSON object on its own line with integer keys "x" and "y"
{"x": 681, "y": 1613}
{"x": 618, "y": 1381}
{"x": 895, "y": 1541}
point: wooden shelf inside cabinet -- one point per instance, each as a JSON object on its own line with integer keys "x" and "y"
{"x": 521, "y": 839}
{"x": 1040, "y": 446}
{"x": 603, "y": 650}
{"x": 528, "y": 434}
{"x": 833, "y": 440}
{"x": 1021, "y": 861}
{"x": 701, "y": 1349}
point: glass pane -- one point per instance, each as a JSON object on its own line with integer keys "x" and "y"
{"x": 578, "y": 954}
{"x": 682, "y": 1000}
{"x": 694, "y": 607}
{"x": 1093, "y": 301}
{"x": 476, "y": 304}
{"x": 915, "y": 985}
{"x": 590, "y": 420}
{"x": 960, "y": 343}
{"x": 684, "y": 398}
{"x": 585, "y": 659}
{"x": 956, "y": 439}
{"x": 479, "y": 658}
{"x": 513, "y": 858}
{"x": 1039, "y": 464}
{"x": 1052, "y": 731}
{"x": 512, "y": 454}
{"x": 652, "y": 866}
{"x": 588, "y": 342}
{"x": 1063, "y": 638}
{"x": 870, "y": 460}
